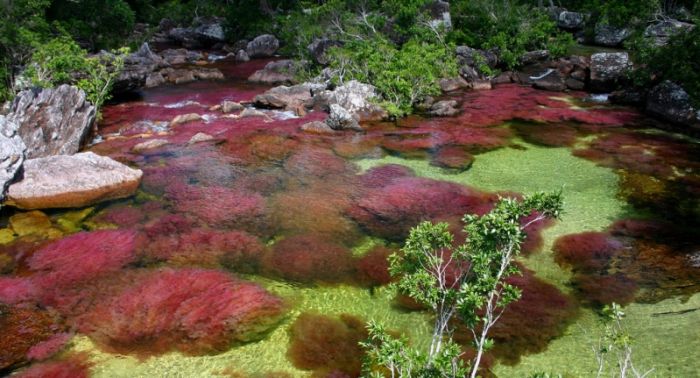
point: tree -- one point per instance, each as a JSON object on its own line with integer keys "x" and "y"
{"x": 466, "y": 282}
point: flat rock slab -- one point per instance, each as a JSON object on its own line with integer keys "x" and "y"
{"x": 66, "y": 181}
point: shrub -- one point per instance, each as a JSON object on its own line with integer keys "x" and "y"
{"x": 507, "y": 26}
{"x": 99, "y": 24}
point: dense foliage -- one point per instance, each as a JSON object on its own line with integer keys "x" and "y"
{"x": 466, "y": 282}
{"x": 508, "y": 27}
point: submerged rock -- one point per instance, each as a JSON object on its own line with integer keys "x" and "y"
{"x": 52, "y": 121}
{"x": 72, "y": 181}
{"x": 12, "y": 153}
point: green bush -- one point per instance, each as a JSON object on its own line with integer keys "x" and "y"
{"x": 403, "y": 76}
{"x": 512, "y": 28}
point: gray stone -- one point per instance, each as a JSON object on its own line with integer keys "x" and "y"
{"x": 180, "y": 56}
{"x": 241, "y": 56}
{"x": 453, "y": 84}
{"x": 660, "y": 32}
{"x": 552, "y": 81}
{"x": 230, "y": 106}
{"x": 284, "y": 97}
{"x": 532, "y": 57}
{"x": 444, "y": 108}
{"x": 12, "y": 153}
{"x": 571, "y": 20}
{"x": 275, "y": 73}
{"x": 200, "y": 137}
{"x": 78, "y": 180}
{"x": 317, "y": 127}
{"x": 185, "y": 118}
{"x": 342, "y": 119}
{"x": 608, "y": 70}
{"x": 263, "y": 46}
{"x": 210, "y": 33}
{"x": 671, "y": 102}
{"x": 319, "y": 47}
{"x": 611, "y": 36}
{"x": 137, "y": 67}
{"x": 150, "y": 144}
{"x": 53, "y": 121}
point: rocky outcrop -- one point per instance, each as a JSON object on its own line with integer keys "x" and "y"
{"x": 355, "y": 97}
{"x": 551, "y": 80}
{"x": 571, "y": 21}
{"x": 284, "y": 97}
{"x": 180, "y": 56}
{"x": 317, "y": 127}
{"x": 319, "y": 47}
{"x": 137, "y": 67}
{"x": 609, "y": 35}
{"x": 660, "y": 32}
{"x": 340, "y": 118}
{"x": 12, "y": 154}
{"x": 439, "y": 12}
{"x": 671, "y": 102}
{"x": 275, "y": 73}
{"x": 444, "y": 108}
{"x": 53, "y": 121}
{"x": 78, "y": 180}
{"x": 205, "y": 33}
{"x": 608, "y": 70}
{"x": 263, "y": 46}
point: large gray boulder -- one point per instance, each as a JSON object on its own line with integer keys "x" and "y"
{"x": 53, "y": 121}
{"x": 210, "y": 33}
{"x": 359, "y": 99}
{"x": 137, "y": 67}
{"x": 340, "y": 118}
{"x": 660, "y": 32}
{"x": 319, "y": 47}
{"x": 78, "y": 180}
{"x": 275, "y": 73}
{"x": 12, "y": 153}
{"x": 263, "y": 46}
{"x": 571, "y": 20}
{"x": 284, "y": 97}
{"x": 609, "y": 35}
{"x": 608, "y": 70}
{"x": 671, "y": 102}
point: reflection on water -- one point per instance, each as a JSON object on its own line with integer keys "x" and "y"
{"x": 253, "y": 247}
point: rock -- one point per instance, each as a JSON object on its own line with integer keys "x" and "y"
{"x": 319, "y": 47}
{"x": 671, "y": 102}
{"x": 29, "y": 223}
{"x": 210, "y": 33}
{"x": 571, "y": 20}
{"x": 453, "y": 84}
{"x": 629, "y": 97}
{"x": 263, "y": 46}
{"x": 660, "y": 32}
{"x": 444, "y": 108}
{"x": 166, "y": 24}
{"x": 354, "y": 96}
{"x": 52, "y": 121}
{"x": 611, "y": 36}
{"x": 481, "y": 85}
{"x": 467, "y": 56}
{"x": 201, "y": 73}
{"x": 278, "y": 72}
{"x": 249, "y": 112}
{"x": 241, "y": 56}
{"x": 12, "y": 153}
{"x": 72, "y": 181}
{"x": 503, "y": 78}
{"x": 185, "y": 118}
{"x": 552, "y": 81}
{"x": 608, "y": 70}
{"x": 149, "y": 145}
{"x": 200, "y": 137}
{"x": 230, "y": 106}
{"x": 317, "y": 127}
{"x": 342, "y": 119}
{"x": 180, "y": 56}
{"x": 154, "y": 79}
{"x": 532, "y": 57}
{"x": 574, "y": 84}
{"x": 439, "y": 12}
{"x": 137, "y": 67}
{"x": 284, "y": 97}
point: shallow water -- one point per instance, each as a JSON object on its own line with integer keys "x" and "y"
{"x": 295, "y": 226}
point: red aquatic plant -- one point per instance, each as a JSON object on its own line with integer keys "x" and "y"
{"x": 15, "y": 290}
{"x": 547, "y": 134}
{"x": 588, "y": 251}
{"x": 308, "y": 258}
{"x": 392, "y": 210}
{"x": 601, "y": 290}
{"x": 123, "y": 216}
{"x": 23, "y": 327}
{"x": 384, "y": 174}
{"x": 452, "y": 157}
{"x": 327, "y": 345}
{"x": 315, "y": 163}
{"x": 373, "y": 267}
{"x": 191, "y": 310}
{"x": 46, "y": 349}
{"x": 75, "y": 366}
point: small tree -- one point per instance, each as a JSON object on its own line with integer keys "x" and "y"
{"x": 99, "y": 76}
{"x": 616, "y": 342}
{"x": 467, "y": 282}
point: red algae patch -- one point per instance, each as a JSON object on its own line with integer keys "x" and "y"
{"x": 587, "y": 250}
{"x": 373, "y": 267}
{"x": 46, "y": 349}
{"x": 75, "y": 366}
{"x": 22, "y": 328}
{"x": 307, "y": 259}
{"x": 192, "y": 310}
{"x": 328, "y": 345}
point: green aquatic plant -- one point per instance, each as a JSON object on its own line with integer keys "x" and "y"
{"x": 467, "y": 282}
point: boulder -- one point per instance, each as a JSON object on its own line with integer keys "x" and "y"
{"x": 137, "y": 68}
{"x": 453, "y": 84}
{"x": 200, "y": 137}
{"x": 342, "y": 119}
{"x": 317, "y": 127}
{"x": 185, "y": 118}
{"x": 671, "y": 102}
{"x": 552, "y": 81}
{"x": 241, "y": 56}
{"x": 203, "y": 73}
{"x": 210, "y": 33}
{"x": 629, "y": 96}
{"x": 609, "y": 35}
{"x": 319, "y": 47}
{"x": 180, "y": 56}
{"x": 439, "y": 12}
{"x": 154, "y": 79}
{"x": 149, "y": 145}
{"x": 532, "y": 57}
{"x": 660, "y": 32}
{"x": 263, "y": 46}
{"x": 12, "y": 153}
{"x": 473, "y": 57}
{"x": 52, "y": 121}
{"x": 230, "y": 106}
{"x": 275, "y": 73}
{"x": 445, "y": 108}
{"x": 608, "y": 70}
{"x": 354, "y": 96}
{"x": 78, "y": 180}
{"x": 284, "y": 97}
{"x": 571, "y": 20}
